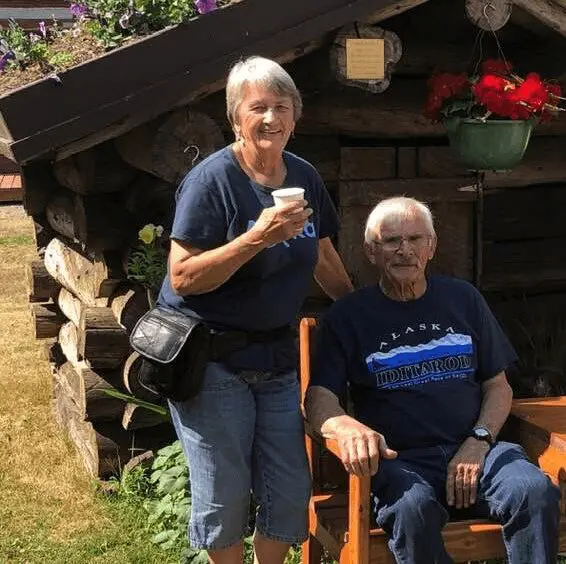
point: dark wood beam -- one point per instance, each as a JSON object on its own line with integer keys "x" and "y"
{"x": 394, "y": 10}
{"x": 99, "y": 94}
{"x": 549, "y": 12}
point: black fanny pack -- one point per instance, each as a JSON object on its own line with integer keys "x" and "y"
{"x": 175, "y": 349}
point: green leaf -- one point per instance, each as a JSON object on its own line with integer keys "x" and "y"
{"x": 159, "y": 409}
{"x": 179, "y": 484}
{"x": 161, "y": 537}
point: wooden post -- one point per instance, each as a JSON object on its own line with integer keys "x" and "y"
{"x": 358, "y": 519}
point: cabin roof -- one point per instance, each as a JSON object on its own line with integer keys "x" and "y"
{"x": 109, "y": 95}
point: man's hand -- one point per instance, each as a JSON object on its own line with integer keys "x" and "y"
{"x": 463, "y": 473}
{"x": 360, "y": 447}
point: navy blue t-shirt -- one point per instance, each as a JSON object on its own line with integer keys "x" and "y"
{"x": 413, "y": 369}
{"x": 215, "y": 203}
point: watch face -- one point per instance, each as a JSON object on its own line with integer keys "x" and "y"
{"x": 482, "y": 434}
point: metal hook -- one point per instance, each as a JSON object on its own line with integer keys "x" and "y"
{"x": 485, "y": 7}
{"x": 195, "y": 158}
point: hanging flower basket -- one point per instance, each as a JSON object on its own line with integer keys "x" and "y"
{"x": 489, "y": 115}
{"x": 491, "y": 144}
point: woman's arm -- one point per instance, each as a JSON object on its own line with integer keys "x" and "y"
{"x": 330, "y": 272}
{"x": 194, "y": 271}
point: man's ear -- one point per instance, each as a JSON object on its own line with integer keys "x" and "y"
{"x": 433, "y": 243}
{"x": 369, "y": 249}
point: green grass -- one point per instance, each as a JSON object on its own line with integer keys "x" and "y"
{"x": 123, "y": 539}
{"x": 17, "y": 240}
{"x": 51, "y": 511}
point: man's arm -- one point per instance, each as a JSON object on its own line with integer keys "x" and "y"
{"x": 330, "y": 272}
{"x": 360, "y": 446}
{"x": 465, "y": 467}
{"x": 497, "y": 396}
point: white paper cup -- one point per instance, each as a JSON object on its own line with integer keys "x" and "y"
{"x": 285, "y": 195}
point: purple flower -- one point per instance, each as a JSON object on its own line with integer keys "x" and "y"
{"x": 78, "y": 10}
{"x": 205, "y": 6}
{"x": 42, "y": 29}
{"x": 5, "y": 58}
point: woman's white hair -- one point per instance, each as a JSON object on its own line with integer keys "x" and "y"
{"x": 262, "y": 71}
{"x": 398, "y": 207}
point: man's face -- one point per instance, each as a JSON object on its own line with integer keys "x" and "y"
{"x": 402, "y": 248}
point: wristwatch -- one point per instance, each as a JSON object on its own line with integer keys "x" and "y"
{"x": 482, "y": 433}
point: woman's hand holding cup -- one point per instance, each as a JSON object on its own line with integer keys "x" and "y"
{"x": 286, "y": 219}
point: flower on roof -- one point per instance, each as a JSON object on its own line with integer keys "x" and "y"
{"x": 205, "y": 6}
{"x": 78, "y": 10}
{"x": 5, "y": 59}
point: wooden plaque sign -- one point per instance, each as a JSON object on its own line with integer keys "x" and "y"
{"x": 365, "y": 59}
{"x": 364, "y": 56}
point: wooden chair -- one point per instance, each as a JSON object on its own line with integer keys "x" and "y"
{"x": 339, "y": 510}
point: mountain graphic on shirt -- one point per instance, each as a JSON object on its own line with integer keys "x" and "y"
{"x": 449, "y": 357}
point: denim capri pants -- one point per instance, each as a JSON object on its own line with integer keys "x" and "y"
{"x": 243, "y": 434}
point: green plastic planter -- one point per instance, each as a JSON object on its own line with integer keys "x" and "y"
{"x": 489, "y": 145}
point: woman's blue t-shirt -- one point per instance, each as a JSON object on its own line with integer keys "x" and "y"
{"x": 215, "y": 203}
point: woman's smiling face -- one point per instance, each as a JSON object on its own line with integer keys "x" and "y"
{"x": 265, "y": 119}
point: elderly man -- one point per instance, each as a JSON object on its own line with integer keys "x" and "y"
{"x": 424, "y": 362}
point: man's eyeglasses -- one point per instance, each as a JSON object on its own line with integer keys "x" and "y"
{"x": 392, "y": 244}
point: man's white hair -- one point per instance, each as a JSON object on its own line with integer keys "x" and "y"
{"x": 398, "y": 207}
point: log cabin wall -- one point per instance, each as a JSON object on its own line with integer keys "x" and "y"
{"x": 88, "y": 208}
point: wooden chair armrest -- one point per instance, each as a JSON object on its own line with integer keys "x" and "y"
{"x": 358, "y": 501}
{"x": 329, "y": 444}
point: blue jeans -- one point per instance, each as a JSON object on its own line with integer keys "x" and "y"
{"x": 244, "y": 433}
{"x": 409, "y": 503}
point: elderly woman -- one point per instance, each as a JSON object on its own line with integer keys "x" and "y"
{"x": 237, "y": 261}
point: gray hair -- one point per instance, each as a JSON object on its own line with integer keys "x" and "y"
{"x": 259, "y": 70}
{"x": 399, "y": 207}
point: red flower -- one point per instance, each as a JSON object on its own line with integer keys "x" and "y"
{"x": 531, "y": 92}
{"x": 490, "y": 83}
{"x": 496, "y": 93}
{"x": 443, "y": 86}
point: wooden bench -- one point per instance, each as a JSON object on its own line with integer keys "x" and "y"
{"x": 339, "y": 509}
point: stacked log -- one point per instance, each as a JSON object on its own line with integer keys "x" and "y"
{"x": 87, "y": 211}
{"x": 85, "y": 302}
